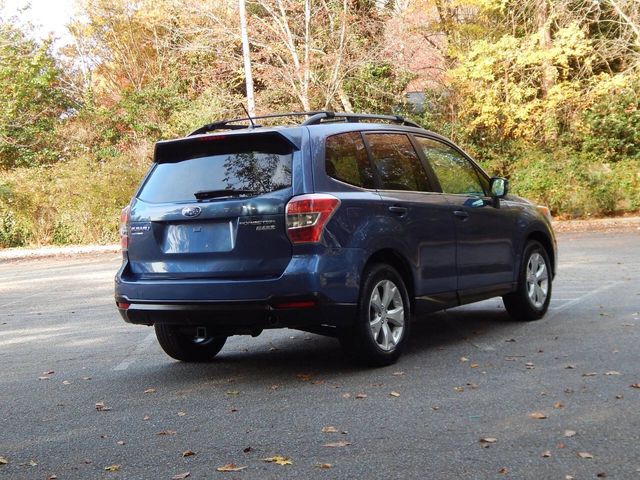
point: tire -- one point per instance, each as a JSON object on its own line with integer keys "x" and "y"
{"x": 383, "y": 306}
{"x": 531, "y": 299}
{"x": 183, "y": 344}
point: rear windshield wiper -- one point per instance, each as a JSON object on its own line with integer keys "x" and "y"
{"x": 228, "y": 192}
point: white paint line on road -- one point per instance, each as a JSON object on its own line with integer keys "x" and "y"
{"x": 133, "y": 356}
{"x": 557, "y": 310}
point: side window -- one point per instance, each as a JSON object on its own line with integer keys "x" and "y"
{"x": 346, "y": 160}
{"x": 397, "y": 162}
{"x": 455, "y": 173}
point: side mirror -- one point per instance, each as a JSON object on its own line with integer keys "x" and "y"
{"x": 499, "y": 187}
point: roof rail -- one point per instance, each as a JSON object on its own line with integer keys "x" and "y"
{"x": 227, "y": 124}
{"x": 356, "y": 117}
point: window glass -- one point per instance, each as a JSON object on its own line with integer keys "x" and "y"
{"x": 346, "y": 160}
{"x": 455, "y": 173}
{"x": 258, "y": 165}
{"x": 397, "y": 162}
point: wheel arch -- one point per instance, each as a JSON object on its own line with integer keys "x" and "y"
{"x": 546, "y": 242}
{"x": 395, "y": 259}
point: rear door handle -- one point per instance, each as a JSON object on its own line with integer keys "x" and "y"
{"x": 401, "y": 211}
{"x": 461, "y": 214}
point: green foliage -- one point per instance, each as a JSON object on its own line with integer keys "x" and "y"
{"x": 575, "y": 185}
{"x": 31, "y": 100}
{"x": 612, "y": 124}
{"x": 376, "y": 87}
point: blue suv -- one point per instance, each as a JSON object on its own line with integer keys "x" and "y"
{"x": 344, "y": 225}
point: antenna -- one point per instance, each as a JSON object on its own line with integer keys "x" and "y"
{"x": 253, "y": 125}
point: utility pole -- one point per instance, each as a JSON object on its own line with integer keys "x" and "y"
{"x": 251, "y": 105}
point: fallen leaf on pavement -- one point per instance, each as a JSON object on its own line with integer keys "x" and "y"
{"x": 48, "y": 372}
{"x": 546, "y": 454}
{"x": 398, "y": 373}
{"x": 569, "y": 433}
{"x": 585, "y": 455}
{"x": 150, "y": 390}
{"x": 590, "y": 374}
{"x": 230, "y": 467}
{"x": 459, "y": 389}
{"x": 323, "y": 465}
{"x": 619, "y": 397}
{"x": 635, "y": 385}
{"x": 304, "y": 377}
{"x": 613, "y": 372}
{"x": 601, "y": 475}
{"x": 112, "y": 468}
{"x": 278, "y": 460}
{"x": 181, "y": 476}
{"x": 181, "y": 414}
{"x": 146, "y": 417}
{"x": 120, "y": 442}
{"x": 43, "y": 378}
{"x": 233, "y": 392}
{"x": 464, "y": 359}
{"x": 474, "y": 365}
{"x": 329, "y": 429}
{"x": 247, "y": 450}
{"x": 188, "y": 453}
{"x": 485, "y": 442}
{"x": 101, "y": 407}
{"x": 570, "y": 367}
{"x": 503, "y": 470}
{"x": 538, "y": 415}
{"x": 360, "y": 396}
{"x": 342, "y": 443}
{"x": 86, "y": 378}
{"x": 558, "y": 405}
{"x": 529, "y": 365}
{"x": 346, "y": 395}
{"x": 66, "y": 382}
{"x": 3, "y": 461}
{"x": 394, "y": 394}
{"x": 167, "y": 432}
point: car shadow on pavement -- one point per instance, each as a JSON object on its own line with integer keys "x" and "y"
{"x": 276, "y": 356}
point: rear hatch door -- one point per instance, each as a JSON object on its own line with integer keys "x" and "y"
{"x": 214, "y": 207}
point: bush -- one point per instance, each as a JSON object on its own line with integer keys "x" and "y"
{"x": 575, "y": 185}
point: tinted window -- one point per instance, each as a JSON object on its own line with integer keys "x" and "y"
{"x": 455, "y": 173}
{"x": 235, "y": 164}
{"x": 397, "y": 162}
{"x": 346, "y": 160}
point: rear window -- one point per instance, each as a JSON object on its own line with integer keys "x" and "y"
{"x": 260, "y": 164}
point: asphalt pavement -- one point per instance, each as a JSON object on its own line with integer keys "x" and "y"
{"x": 84, "y": 395}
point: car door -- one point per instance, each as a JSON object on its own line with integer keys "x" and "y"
{"x": 484, "y": 227}
{"x": 422, "y": 218}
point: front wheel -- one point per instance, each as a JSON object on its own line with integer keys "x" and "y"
{"x": 188, "y": 344}
{"x": 531, "y": 299}
{"x": 382, "y": 324}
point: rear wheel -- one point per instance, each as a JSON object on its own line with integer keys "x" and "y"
{"x": 188, "y": 344}
{"x": 531, "y": 300}
{"x": 382, "y": 324}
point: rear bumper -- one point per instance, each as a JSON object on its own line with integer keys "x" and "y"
{"x": 314, "y": 290}
{"x": 242, "y": 317}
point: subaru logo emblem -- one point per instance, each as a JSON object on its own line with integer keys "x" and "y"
{"x": 191, "y": 211}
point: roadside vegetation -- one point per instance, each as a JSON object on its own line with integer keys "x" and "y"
{"x": 545, "y": 92}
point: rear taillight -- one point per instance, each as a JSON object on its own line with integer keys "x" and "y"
{"x": 307, "y": 216}
{"x": 124, "y": 229}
